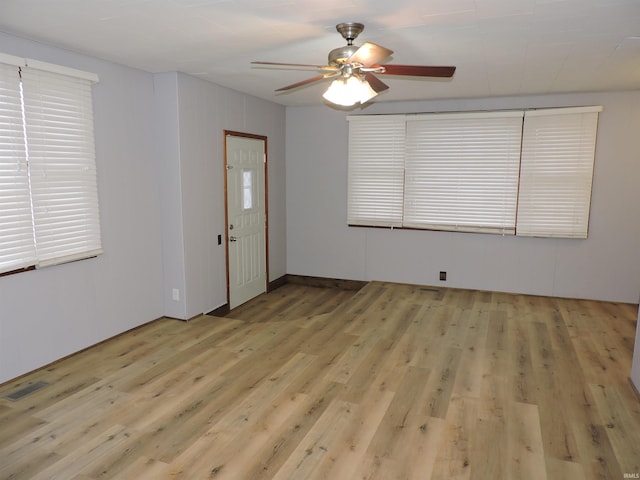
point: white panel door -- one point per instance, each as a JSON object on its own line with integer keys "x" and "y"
{"x": 246, "y": 218}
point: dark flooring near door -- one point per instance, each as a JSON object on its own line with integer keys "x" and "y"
{"x": 292, "y": 300}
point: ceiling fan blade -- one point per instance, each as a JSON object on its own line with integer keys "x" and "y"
{"x": 418, "y": 70}
{"x": 306, "y": 65}
{"x": 376, "y": 84}
{"x": 369, "y": 54}
{"x": 301, "y": 83}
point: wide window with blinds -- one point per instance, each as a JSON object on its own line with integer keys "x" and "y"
{"x": 48, "y": 189}
{"x": 506, "y": 172}
{"x": 461, "y": 171}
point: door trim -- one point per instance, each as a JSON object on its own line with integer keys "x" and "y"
{"x": 264, "y": 139}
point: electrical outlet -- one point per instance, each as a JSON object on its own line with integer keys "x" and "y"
{"x": 176, "y": 295}
{"x": 443, "y": 276}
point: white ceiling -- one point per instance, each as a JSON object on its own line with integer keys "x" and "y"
{"x": 500, "y": 47}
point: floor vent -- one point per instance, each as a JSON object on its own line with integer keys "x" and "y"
{"x": 23, "y": 392}
{"x": 427, "y": 289}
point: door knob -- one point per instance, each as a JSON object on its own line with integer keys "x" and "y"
{"x": 233, "y": 239}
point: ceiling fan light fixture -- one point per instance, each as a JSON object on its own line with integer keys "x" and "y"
{"x": 346, "y": 92}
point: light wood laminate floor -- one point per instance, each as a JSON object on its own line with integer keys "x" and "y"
{"x": 390, "y": 382}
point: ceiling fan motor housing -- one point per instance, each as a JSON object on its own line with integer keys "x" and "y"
{"x": 349, "y": 31}
{"x": 339, "y": 55}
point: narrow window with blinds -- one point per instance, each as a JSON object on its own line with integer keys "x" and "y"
{"x": 558, "y": 149}
{"x": 48, "y": 185}
{"x": 376, "y": 170}
{"x": 526, "y": 173}
{"x": 17, "y": 249}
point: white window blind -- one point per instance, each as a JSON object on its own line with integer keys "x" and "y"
{"x": 461, "y": 171}
{"x": 48, "y": 193}
{"x": 376, "y": 170}
{"x": 17, "y": 248}
{"x": 59, "y": 126}
{"x": 556, "y": 173}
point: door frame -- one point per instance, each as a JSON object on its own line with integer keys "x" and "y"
{"x": 264, "y": 139}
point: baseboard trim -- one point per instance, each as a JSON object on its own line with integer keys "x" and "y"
{"x": 323, "y": 282}
{"x": 221, "y": 311}
{"x": 277, "y": 283}
{"x": 634, "y": 388}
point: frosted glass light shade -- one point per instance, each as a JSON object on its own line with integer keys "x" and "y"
{"x": 349, "y": 92}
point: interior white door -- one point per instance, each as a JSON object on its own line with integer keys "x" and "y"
{"x": 246, "y": 218}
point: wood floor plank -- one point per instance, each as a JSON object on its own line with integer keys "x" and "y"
{"x": 494, "y": 398}
{"x": 15, "y": 423}
{"x": 469, "y": 378}
{"x": 562, "y": 469}
{"x": 379, "y": 370}
{"x": 525, "y": 449}
{"x": 356, "y": 437}
{"x": 319, "y": 443}
{"x": 76, "y": 461}
{"x": 519, "y": 361}
{"x": 487, "y": 455}
{"x": 618, "y": 423}
{"x": 144, "y": 469}
{"x": 344, "y": 368}
{"x": 279, "y": 449}
{"x": 455, "y": 452}
{"x": 388, "y": 382}
{"x": 418, "y": 462}
{"x": 25, "y": 468}
{"x": 441, "y": 382}
{"x": 230, "y": 450}
{"x": 557, "y": 435}
{"x": 405, "y": 423}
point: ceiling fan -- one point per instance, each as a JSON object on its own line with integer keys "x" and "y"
{"x": 354, "y": 69}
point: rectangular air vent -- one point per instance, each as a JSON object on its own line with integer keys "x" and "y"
{"x": 23, "y": 392}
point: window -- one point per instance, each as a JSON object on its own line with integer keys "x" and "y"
{"x": 557, "y": 169}
{"x": 461, "y": 171}
{"x": 48, "y": 193}
{"x": 247, "y": 189}
{"x": 376, "y": 171}
{"x": 474, "y": 171}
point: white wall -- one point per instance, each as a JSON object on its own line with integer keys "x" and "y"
{"x": 167, "y": 136}
{"x": 49, "y": 313}
{"x": 193, "y": 186}
{"x": 605, "y": 266}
